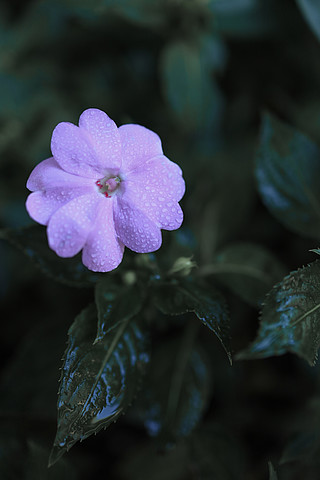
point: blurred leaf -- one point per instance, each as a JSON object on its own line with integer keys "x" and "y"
{"x": 287, "y": 170}
{"x": 311, "y": 12}
{"x": 272, "y": 473}
{"x": 304, "y": 444}
{"x": 29, "y": 381}
{"x": 32, "y": 241}
{"x": 189, "y": 88}
{"x": 246, "y": 18}
{"x": 205, "y": 455}
{"x": 176, "y": 390}
{"x": 99, "y": 380}
{"x": 208, "y": 304}
{"x": 247, "y": 269}
{"x": 115, "y": 304}
{"x": 290, "y": 318}
{"x": 141, "y": 12}
{"x": 21, "y": 460}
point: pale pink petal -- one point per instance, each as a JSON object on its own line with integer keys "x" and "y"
{"x": 139, "y": 145}
{"x": 41, "y": 205}
{"x": 48, "y": 173}
{"x": 70, "y": 226}
{"x": 159, "y": 177}
{"x": 134, "y": 228}
{"x": 164, "y": 211}
{"x": 103, "y": 250}
{"x": 105, "y": 138}
{"x": 72, "y": 148}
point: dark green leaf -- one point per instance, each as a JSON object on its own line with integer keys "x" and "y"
{"x": 311, "y": 12}
{"x": 272, "y": 473}
{"x": 208, "y": 304}
{"x": 188, "y": 86}
{"x": 287, "y": 171}
{"x": 115, "y": 304}
{"x": 249, "y": 270}
{"x": 176, "y": 391}
{"x": 99, "y": 380}
{"x": 290, "y": 318}
{"x": 141, "y": 12}
{"x": 246, "y": 18}
{"x": 32, "y": 241}
{"x": 208, "y": 452}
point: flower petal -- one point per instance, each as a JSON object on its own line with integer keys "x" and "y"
{"x": 41, "y": 205}
{"x": 139, "y": 145}
{"x": 103, "y": 250}
{"x": 70, "y": 226}
{"x": 49, "y": 173}
{"x": 134, "y": 228}
{"x": 159, "y": 177}
{"x": 72, "y": 148}
{"x": 105, "y": 138}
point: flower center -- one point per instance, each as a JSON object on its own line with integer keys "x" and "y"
{"x": 108, "y": 185}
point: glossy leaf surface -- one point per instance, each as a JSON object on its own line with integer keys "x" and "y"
{"x": 32, "y": 241}
{"x": 290, "y": 318}
{"x": 208, "y": 304}
{"x": 115, "y": 304}
{"x": 99, "y": 380}
{"x": 287, "y": 172}
{"x": 248, "y": 270}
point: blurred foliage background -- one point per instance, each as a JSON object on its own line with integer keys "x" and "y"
{"x": 199, "y": 73}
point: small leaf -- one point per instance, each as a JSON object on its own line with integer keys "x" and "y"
{"x": 99, "y": 380}
{"x": 32, "y": 241}
{"x": 115, "y": 304}
{"x": 176, "y": 390}
{"x": 272, "y": 473}
{"x": 287, "y": 172}
{"x": 249, "y": 270}
{"x": 311, "y": 12}
{"x": 176, "y": 298}
{"x": 290, "y": 318}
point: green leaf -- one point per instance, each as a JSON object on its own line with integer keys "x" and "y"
{"x": 208, "y": 304}
{"x": 188, "y": 86}
{"x": 272, "y": 473}
{"x": 99, "y": 380}
{"x": 247, "y": 269}
{"x": 115, "y": 304}
{"x": 311, "y": 12}
{"x": 287, "y": 172}
{"x": 176, "y": 391}
{"x": 246, "y": 18}
{"x": 290, "y": 318}
{"x": 141, "y": 12}
{"x": 32, "y": 241}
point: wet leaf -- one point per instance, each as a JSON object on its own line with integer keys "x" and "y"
{"x": 176, "y": 391}
{"x": 208, "y": 304}
{"x": 115, "y": 304}
{"x": 311, "y": 12}
{"x": 99, "y": 380}
{"x": 248, "y": 270}
{"x": 32, "y": 241}
{"x": 287, "y": 172}
{"x": 290, "y": 318}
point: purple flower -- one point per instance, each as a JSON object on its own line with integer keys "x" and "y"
{"x": 103, "y": 189}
